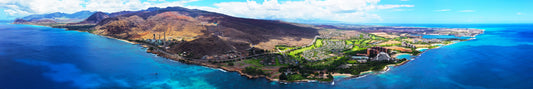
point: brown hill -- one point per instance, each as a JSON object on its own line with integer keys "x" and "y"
{"x": 96, "y": 17}
{"x": 93, "y": 19}
{"x": 204, "y": 34}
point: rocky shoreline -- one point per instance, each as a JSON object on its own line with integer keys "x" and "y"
{"x": 165, "y": 54}
{"x": 161, "y": 54}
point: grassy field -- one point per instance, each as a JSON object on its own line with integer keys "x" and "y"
{"x": 318, "y": 43}
{"x": 255, "y": 62}
{"x": 352, "y": 61}
{"x": 348, "y": 42}
{"x": 327, "y": 62}
{"x": 295, "y": 52}
{"x": 355, "y": 48}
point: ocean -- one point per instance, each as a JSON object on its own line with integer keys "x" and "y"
{"x": 37, "y": 57}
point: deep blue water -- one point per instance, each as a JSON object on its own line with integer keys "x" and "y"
{"x": 35, "y": 57}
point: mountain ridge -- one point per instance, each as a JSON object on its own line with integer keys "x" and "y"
{"x": 203, "y": 33}
{"x": 60, "y": 17}
{"x": 192, "y": 33}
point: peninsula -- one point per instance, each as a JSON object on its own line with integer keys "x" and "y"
{"x": 276, "y": 50}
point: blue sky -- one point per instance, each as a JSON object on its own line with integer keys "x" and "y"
{"x": 343, "y": 11}
{"x": 461, "y": 11}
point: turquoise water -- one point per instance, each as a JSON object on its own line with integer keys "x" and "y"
{"x": 340, "y": 77}
{"x": 35, "y": 57}
{"x": 422, "y": 49}
{"x": 406, "y": 56}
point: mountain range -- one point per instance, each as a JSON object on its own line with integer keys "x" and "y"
{"x": 60, "y": 17}
{"x": 198, "y": 33}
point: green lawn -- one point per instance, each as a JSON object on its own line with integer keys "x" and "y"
{"x": 355, "y": 48}
{"x": 326, "y": 62}
{"x": 318, "y": 43}
{"x": 352, "y": 61}
{"x": 349, "y": 42}
{"x": 300, "y": 50}
{"x": 255, "y": 62}
{"x": 388, "y": 45}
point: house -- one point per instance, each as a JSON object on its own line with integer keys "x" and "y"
{"x": 405, "y": 44}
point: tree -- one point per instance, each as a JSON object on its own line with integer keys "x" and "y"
{"x": 230, "y": 64}
{"x": 253, "y": 71}
{"x": 283, "y": 76}
{"x": 330, "y": 76}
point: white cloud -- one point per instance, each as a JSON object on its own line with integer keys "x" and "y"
{"x": 467, "y": 11}
{"x": 442, "y": 10}
{"x": 519, "y": 13}
{"x": 14, "y": 12}
{"x": 26, "y": 7}
{"x": 333, "y": 10}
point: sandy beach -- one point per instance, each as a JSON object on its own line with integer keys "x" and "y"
{"x": 396, "y": 55}
{"x": 341, "y": 74}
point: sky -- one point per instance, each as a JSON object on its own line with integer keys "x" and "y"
{"x": 305, "y": 11}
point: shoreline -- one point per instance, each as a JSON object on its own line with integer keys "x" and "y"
{"x": 164, "y": 54}
{"x": 127, "y": 41}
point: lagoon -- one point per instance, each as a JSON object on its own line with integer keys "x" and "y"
{"x": 406, "y": 56}
{"x": 422, "y": 49}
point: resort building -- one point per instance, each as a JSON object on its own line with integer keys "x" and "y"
{"x": 375, "y": 50}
